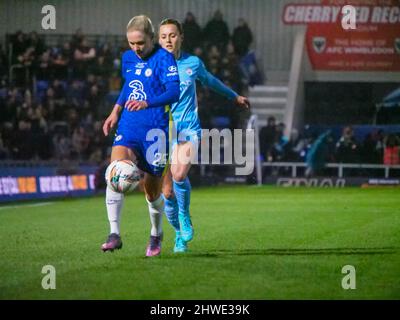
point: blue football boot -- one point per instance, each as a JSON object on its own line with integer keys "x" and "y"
{"x": 186, "y": 227}
{"x": 180, "y": 244}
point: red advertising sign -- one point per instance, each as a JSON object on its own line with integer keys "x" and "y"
{"x": 374, "y": 44}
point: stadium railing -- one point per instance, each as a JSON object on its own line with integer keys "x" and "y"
{"x": 340, "y": 167}
{"x": 367, "y": 169}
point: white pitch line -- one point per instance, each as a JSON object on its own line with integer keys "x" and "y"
{"x": 40, "y": 204}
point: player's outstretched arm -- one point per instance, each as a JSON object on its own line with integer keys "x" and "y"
{"x": 111, "y": 120}
{"x": 209, "y": 80}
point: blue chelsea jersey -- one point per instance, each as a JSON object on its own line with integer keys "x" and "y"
{"x": 144, "y": 80}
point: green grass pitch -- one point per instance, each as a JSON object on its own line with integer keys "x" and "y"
{"x": 250, "y": 243}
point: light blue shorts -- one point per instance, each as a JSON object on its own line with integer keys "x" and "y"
{"x": 186, "y": 131}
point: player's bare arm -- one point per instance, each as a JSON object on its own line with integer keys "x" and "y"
{"x": 111, "y": 120}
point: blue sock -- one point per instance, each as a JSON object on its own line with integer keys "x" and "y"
{"x": 182, "y": 194}
{"x": 171, "y": 212}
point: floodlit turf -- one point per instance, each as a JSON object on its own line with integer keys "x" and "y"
{"x": 250, "y": 243}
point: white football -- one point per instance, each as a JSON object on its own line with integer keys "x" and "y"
{"x": 122, "y": 176}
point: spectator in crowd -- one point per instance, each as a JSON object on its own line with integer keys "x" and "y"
{"x": 84, "y": 56}
{"x": 54, "y": 112}
{"x": 73, "y": 119}
{"x": 62, "y": 146}
{"x": 94, "y": 98}
{"x": 59, "y": 91}
{"x": 4, "y": 152}
{"x": 43, "y": 68}
{"x": 40, "y": 135}
{"x": 80, "y": 142}
{"x": 213, "y": 53}
{"x": 77, "y": 38}
{"x": 114, "y": 82}
{"x": 267, "y": 139}
{"x": 96, "y": 157}
{"x": 8, "y": 135}
{"x": 216, "y": 32}
{"x": 242, "y": 37}
{"x": 22, "y": 56}
{"x": 19, "y": 45}
{"x": 368, "y": 151}
{"x": 36, "y": 43}
{"x": 13, "y": 101}
{"x": 230, "y": 71}
{"x": 27, "y": 59}
{"x": 23, "y": 143}
{"x": 391, "y": 154}
{"x": 104, "y": 60}
{"x": 250, "y": 69}
{"x": 97, "y": 139}
{"x": 61, "y": 62}
{"x": 3, "y": 63}
{"x": 380, "y": 144}
{"x": 295, "y": 146}
{"x": 346, "y": 147}
{"x": 24, "y": 108}
{"x": 76, "y": 94}
{"x": 192, "y": 33}
{"x": 318, "y": 154}
{"x": 213, "y": 60}
{"x": 280, "y": 143}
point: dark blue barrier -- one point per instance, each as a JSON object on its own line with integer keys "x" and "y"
{"x": 43, "y": 182}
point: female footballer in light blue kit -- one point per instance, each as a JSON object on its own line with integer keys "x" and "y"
{"x": 176, "y": 185}
{"x": 151, "y": 85}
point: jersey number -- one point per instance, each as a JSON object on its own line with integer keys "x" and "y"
{"x": 160, "y": 159}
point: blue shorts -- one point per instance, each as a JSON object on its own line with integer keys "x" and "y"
{"x": 150, "y": 145}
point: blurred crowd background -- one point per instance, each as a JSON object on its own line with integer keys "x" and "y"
{"x": 55, "y": 96}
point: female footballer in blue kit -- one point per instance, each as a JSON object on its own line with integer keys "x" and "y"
{"x": 176, "y": 185}
{"x": 151, "y": 84}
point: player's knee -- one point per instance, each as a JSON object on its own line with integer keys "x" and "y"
{"x": 179, "y": 176}
{"x": 152, "y": 196}
{"x": 168, "y": 193}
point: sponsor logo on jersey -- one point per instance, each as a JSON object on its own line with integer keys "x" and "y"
{"x": 172, "y": 69}
{"x": 148, "y": 72}
{"x": 137, "y": 91}
{"x": 129, "y": 70}
{"x": 140, "y": 65}
{"x": 138, "y": 72}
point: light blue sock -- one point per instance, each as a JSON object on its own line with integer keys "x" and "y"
{"x": 182, "y": 193}
{"x": 171, "y": 212}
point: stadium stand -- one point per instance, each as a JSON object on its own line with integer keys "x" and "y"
{"x": 56, "y": 91}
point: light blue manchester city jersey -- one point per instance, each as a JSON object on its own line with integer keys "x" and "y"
{"x": 184, "y": 112}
